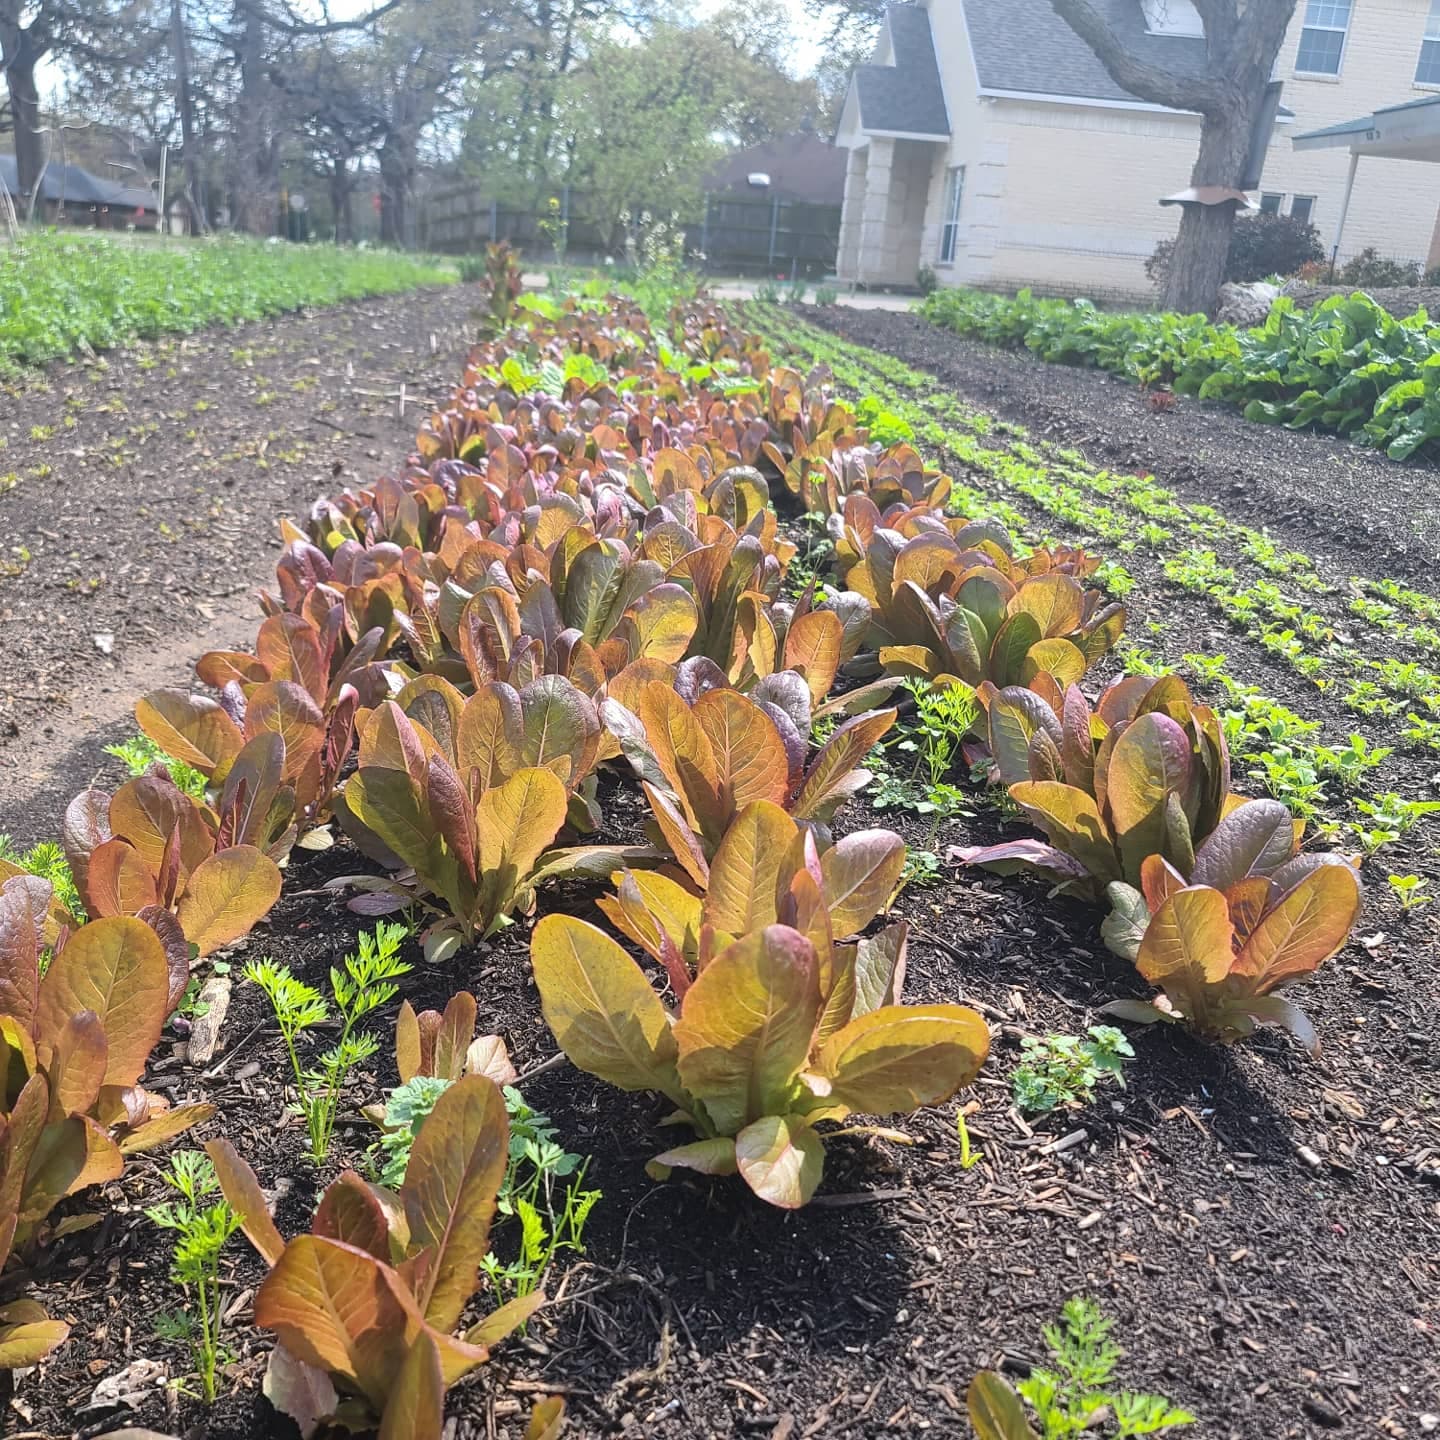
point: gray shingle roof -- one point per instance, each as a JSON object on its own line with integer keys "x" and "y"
{"x": 79, "y": 187}
{"x": 905, "y": 97}
{"x": 1024, "y": 45}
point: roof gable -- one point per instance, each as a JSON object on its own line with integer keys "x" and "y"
{"x": 903, "y": 96}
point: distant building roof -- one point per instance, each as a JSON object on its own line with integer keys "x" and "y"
{"x": 802, "y": 166}
{"x": 904, "y": 97}
{"x": 78, "y": 187}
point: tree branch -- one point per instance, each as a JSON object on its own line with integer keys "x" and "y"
{"x": 1155, "y": 83}
{"x": 296, "y": 26}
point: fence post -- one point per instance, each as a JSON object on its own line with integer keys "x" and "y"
{"x": 774, "y": 230}
{"x": 705, "y": 228}
{"x": 494, "y": 221}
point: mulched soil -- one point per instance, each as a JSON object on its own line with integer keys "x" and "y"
{"x": 1263, "y": 1229}
{"x": 1334, "y": 497}
{"x": 134, "y": 541}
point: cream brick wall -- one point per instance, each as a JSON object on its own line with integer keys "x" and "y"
{"x": 1063, "y": 198}
{"x": 1395, "y": 202}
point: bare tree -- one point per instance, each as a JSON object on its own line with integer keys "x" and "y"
{"x": 26, "y": 37}
{"x": 1242, "y": 38}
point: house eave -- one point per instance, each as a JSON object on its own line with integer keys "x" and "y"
{"x": 905, "y": 135}
{"x": 1040, "y": 97}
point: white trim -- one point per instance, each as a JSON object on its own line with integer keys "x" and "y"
{"x": 940, "y": 71}
{"x": 1091, "y": 102}
{"x": 903, "y": 135}
{"x": 988, "y": 93}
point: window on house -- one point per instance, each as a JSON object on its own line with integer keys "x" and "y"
{"x": 1270, "y": 203}
{"x": 1302, "y": 207}
{"x": 950, "y": 228}
{"x": 1427, "y": 72}
{"x": 1322, "y": 41}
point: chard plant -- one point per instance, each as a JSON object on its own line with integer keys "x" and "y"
{"x": 361, "y": 984}
{"x": 202, "y": 1226}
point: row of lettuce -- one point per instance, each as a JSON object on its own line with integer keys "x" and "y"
{"x": 1345, "y": 365}
{"x": 582, "y": 568}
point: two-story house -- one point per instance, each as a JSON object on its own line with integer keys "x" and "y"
{"x": 988, "y": 142}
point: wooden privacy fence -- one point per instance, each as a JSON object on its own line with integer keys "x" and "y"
{"x": 746, "y": 233}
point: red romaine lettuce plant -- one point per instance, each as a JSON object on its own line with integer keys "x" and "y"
{"x": 73, "y": 1044}
{"x": 1221, "y": 950}
{"x": 776, "y": 1034}
{"x": 365, "y": 1304}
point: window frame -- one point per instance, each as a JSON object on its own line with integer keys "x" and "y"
{"x": 1430, "y": 37}
{"x": 1342, "y": 31}
{"x": 1278, "y": 196}
{"x": 951, "y": 204}
{"x": 1309, "y": 216}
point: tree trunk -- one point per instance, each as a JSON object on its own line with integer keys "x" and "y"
{"x": 190, "y": 151}
{"x": 256, "y": 187}
{"x": 340, "y": 192}
{"x": 397, "y": 177}
{"x": 29, "y": 143}
{"x": 1197, "y": 265}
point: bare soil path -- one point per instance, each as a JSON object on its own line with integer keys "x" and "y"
{"x": 138, "y": 504}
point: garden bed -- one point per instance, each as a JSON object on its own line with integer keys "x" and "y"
{"x": 1339, "y": 500}
{"x": 139, "y": 498}
{"x": 1262, "y": 1228}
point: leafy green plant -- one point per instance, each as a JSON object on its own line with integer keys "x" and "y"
{"x": 1409, "y": 890}
{"x": 776, "y": 1033}
{"x": 46, "y": 861}
{"x": 202, "y": 1226}
{"x": 70, "y": 292}
{"x": 1064, "y": 1069}
{"x": 406, "y": 1107}
{"x": 361, "y": 984}
{"x": 140, "y": 752}
{"x": 1074, "y": 1396}
{"x": 1345, "y": 365}
{"x": 543, "y": 1191}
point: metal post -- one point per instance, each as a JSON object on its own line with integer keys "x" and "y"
{"x": 705, "y": 228}
{"x": 1344, "y": 211}
{"x": 494, "y": 221}
{"x": 164, "y": 214}
{"x": 774, "y": 230}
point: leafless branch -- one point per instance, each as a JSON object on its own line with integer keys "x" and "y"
{"x": 1155, "y": 83}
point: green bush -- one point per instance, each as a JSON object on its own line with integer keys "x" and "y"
{"x": 1346, "y": 366}
{"x": 1260, "y": 246}
{"x": 1371, "y": 269}
{"x": 61, "y": 293}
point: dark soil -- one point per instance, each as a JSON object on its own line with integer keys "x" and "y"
{"x": 134, "y": 541}
{"x": 1263, "y": 1229}
{"x": 1335, "y": 497}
